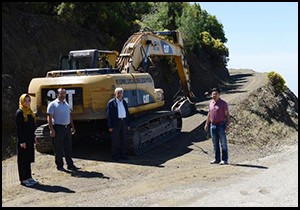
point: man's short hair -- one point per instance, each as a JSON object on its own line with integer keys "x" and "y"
{"x": 119, "y": 89}
{"x": 215, "y": 89}
{"x": 61, "y": 89}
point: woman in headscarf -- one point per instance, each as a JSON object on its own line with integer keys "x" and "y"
{"x": 26, "y": 124}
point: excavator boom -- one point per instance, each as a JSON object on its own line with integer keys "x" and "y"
{"x": 141, "y": 45}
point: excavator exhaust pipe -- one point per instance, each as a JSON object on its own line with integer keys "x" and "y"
{"x": 184, "y": 106}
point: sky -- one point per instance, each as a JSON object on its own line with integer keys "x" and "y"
{"x": 262, "y": 36}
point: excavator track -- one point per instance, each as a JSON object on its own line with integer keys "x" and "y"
{"x": 149, "y": 131}
{"x": 146, "y": 132}
{"x": 44, "y": 139}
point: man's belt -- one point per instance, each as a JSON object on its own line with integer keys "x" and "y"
{"x": 218, "y": 123}
{"x": 65, "y": 126}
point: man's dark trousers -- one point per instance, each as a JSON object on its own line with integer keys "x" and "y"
{"x": 63, "y": 145}
{"x": 119, "y": 139}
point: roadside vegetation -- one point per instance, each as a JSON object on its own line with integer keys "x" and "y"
{"x": 277, "y": 81}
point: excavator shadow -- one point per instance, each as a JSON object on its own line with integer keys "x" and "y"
{"x": 174, "y": 148}
{"x": 236, "y": 83}
{"x": 240, "y": 78}
{"x": 156, "y": 157}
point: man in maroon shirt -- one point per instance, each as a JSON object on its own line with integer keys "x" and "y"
{"x": 218, "y": 119}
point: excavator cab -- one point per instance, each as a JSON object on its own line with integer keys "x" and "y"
{"x": 88, "y": 59}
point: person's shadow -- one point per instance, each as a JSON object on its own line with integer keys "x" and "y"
{"x": 51, "y": 188}
{"x": 88, "y": 174}
{"x": 80, "y": 174}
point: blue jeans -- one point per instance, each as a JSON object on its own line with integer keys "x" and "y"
{"x": 218, "y": 135}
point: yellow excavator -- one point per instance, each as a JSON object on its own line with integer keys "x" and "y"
{"x": 90, "y": 78}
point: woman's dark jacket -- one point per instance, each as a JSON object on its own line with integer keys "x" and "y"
{"x": 25, "y": 134}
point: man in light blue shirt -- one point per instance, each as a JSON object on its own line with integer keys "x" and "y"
{"x": 60, "y": 111}
{"x": 61, "y": 129}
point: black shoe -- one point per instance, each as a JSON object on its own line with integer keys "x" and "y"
{"x": 60, "y": 168}
{"x": 73, "y": 168}
{"x": 214, "y": 162}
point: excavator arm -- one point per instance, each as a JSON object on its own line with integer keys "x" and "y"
{"x": 140, "y": 46}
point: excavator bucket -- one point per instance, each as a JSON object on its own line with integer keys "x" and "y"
{"x": 184, "y": 106}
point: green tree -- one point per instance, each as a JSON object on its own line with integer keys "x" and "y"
{"x": 214, "y": 27}
{"x": 41, "y": 8}
{"x": 115, "y": 19}
{"x": 156, "y": 18}
{"x": 202, "y": 32}
{"x": 163, "y": 16}
{"x": 276, "y": 80}
{"x": 191, "y": 24}
{"x": 215, "y": 48}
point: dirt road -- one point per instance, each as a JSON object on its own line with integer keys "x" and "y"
{"x": 175, "y": 174}
{"x": 273, "y": 182}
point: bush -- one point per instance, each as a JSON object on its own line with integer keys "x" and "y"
{"x": 276, "y": 80}
{"x": 214, "y": 47}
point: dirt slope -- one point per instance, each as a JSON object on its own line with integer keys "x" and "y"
{"x": 175, "y": 174}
